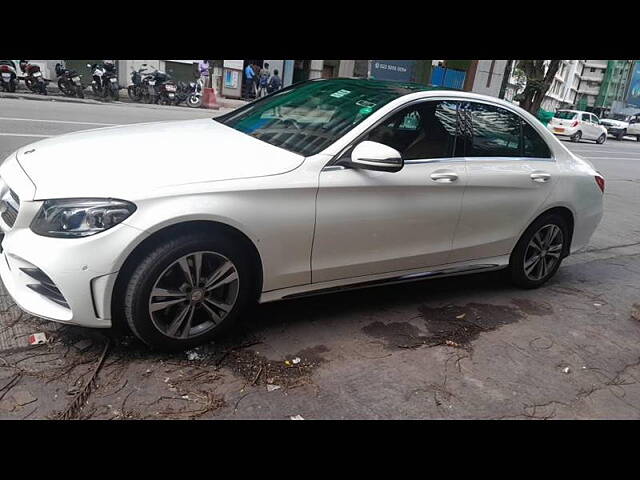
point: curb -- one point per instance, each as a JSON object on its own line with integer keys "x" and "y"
{"x": 56, "y": 97}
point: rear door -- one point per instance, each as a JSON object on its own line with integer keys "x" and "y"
{"x": 510, "y": 174}
{"x": 588, "y": 127}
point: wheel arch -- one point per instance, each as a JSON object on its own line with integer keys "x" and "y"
{"x": 564, "y": 212}
{"x": 190, "y": 226}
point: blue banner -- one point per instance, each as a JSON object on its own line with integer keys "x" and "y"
{"x": 633, "y": 96}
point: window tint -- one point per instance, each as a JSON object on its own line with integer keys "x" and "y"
{"x": 422, "y": 131}
{"x": 564, "y": 115}
{"x": 586, "y": 117}
{"x": 496, "y": 132}
{"x": 534, "y": 145}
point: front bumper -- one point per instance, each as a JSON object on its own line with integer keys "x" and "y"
{"x": 80, "y": 272}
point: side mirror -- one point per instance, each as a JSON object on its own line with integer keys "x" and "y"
{"x": 376, "y": 156}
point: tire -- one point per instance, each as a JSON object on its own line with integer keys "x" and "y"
{"x": 576, "y": 136}
{"x": 115, "y": 95}
{"x": 638, "y": 138}
{"x": 621, "y": 135}
{"x": 601, "y": 139}
{"x": 160, "y": 270}
{"x": 12, "y": 86}
{"x": 524, "y": 253}
{"x": 133, "y": 93}
{"x": 194, "y": 101}
{"x": 79, "y": 92}
{"x": 63, "y": 89}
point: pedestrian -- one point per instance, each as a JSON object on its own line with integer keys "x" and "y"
{"x": 256, "y": 79}
{"x": 249, "y": 73}
{"x": 203, "y": 69}
{"x": 274, "y": 82}
{"x": 263, "y": 80}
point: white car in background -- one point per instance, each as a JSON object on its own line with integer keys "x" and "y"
{"x": 176, "y": 228}
{"x": 577, "y": 125}
{"x": 634, "y": 126}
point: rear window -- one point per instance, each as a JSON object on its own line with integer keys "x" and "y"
{"x": 563, "y": 115}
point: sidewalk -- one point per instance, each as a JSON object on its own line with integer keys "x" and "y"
{"x": 53, "y": 94}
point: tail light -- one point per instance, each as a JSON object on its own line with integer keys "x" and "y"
{"x": 4, "y": 68}
{"x": 574, "y": 124}
{"x": 600, "y": 182}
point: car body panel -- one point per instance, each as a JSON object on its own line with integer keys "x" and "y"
{"x": 134, "y": 160}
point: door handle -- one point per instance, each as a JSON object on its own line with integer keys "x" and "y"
{"x": 541, "y": 177}
{"x": 444, "y": 177}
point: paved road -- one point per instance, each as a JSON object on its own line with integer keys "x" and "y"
{"x": 467, "y": 347}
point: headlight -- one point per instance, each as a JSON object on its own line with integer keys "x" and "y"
{"x": 79, "y": 217}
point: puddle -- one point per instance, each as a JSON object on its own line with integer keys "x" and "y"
{"x": 451, "y": 325}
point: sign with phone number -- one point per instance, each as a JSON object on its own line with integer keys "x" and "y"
{"x": 396, "y": 70}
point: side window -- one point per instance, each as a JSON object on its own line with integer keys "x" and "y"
{"x": 419, "y": 132}
{"x": 595, "y": 119}
{"x": 496, "y": 132}
{"x": 534, "y": 145}
{"x": 586, "y": 117}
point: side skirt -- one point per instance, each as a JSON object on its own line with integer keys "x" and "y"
{"x": 350, "y": 284}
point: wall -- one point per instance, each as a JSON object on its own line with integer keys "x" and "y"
{"x": 485, "y": 74}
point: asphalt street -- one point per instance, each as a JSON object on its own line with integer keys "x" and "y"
{"x": 467, "y": 347}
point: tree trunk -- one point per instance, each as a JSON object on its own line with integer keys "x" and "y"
{"x": 548, "y": 80}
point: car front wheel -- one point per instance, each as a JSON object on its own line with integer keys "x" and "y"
{"x": 188, "y": 291}
{"x": 539, "y": 251}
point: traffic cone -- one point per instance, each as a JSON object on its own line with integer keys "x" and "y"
{"x": 209, "y": 100}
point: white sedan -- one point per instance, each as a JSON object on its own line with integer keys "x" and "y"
{"x": 176, "y": 228}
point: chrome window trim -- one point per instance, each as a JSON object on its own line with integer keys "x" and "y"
{"x": 332, "y": 162}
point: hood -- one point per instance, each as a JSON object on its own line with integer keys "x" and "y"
{"x": 133, "y": 160}
{"x": 614, "y": 123}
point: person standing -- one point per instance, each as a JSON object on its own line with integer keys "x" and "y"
{"x": 203, "y": 69}
{"x": 249, "y": 74}
{"x": 263, "y": 80}
{"x": 275, "y": 83}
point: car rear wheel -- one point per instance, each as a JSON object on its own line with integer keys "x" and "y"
{"x": 601, "y": 139}
{"x": 576, "y": 136}
{"x": 539, "y": 252}
{"x": 621, "y": 135}
{"x": 189, "y": 291}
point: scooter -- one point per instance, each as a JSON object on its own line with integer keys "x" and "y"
{"x": 105, "y": 81}
{"x": 33, "y": 77}
{"x": 8, "y": 75}
{"x": 194, "y": 100}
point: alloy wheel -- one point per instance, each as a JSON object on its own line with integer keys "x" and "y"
{"x": 543, "y": 252}
{"x": 194, "y": 294}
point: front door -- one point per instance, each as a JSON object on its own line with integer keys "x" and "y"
{"x": 510, "y": 174}
{"x": 371, "y": 222}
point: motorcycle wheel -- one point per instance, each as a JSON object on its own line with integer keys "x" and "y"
{"x": 63, "y": 88}
{"x": 194, "y": 101}
{"x": 12, "y": 86}
{"x": 133, "y": 93}
{"x": 43, "y": 88}
{"x": 115, "y": 95}
{"x": 80, "y": 91}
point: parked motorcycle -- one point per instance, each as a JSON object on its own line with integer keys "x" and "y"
{"x": 8, "y": 75}
{"x": 159, "y": 88}
{"x": 69, "y": 82}
{"x": 105, "y": 80}
{"x": 195, "y": 98}
{"x": 136, "y": 90}
{"x": 33, "y": 78}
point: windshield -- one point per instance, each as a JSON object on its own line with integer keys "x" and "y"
{"x": 564, "y": 115}
{"x": 307, "y": 118}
